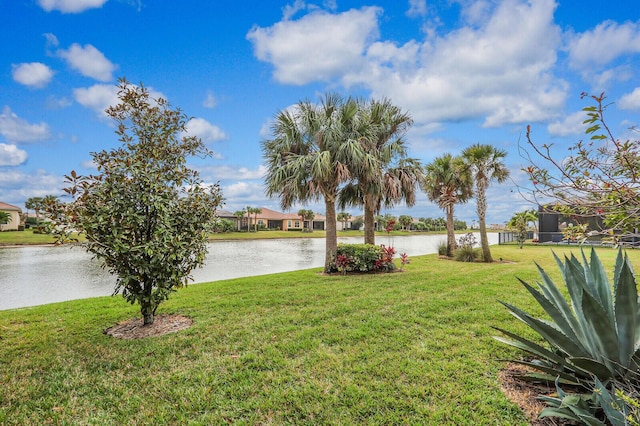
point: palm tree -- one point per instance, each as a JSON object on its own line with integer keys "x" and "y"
{"x": 386, "y": 176}
{"x": 239, "y": 216}
{"x": 256, "y": 211}
{"x": 344, "y": 218}
{"x": 5, "y": 217}
{"x": 520, "y": 222}
{"x": 312, "y": 153}
{"x": 485, "y": 164}
{"x": 34, "y": 203}
{"x": 307, "y": 216}
{"x": 447, "y": 183}
{"x": 249, "y": 211}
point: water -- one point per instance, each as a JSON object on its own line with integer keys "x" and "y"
{"x": 37, "y": 275}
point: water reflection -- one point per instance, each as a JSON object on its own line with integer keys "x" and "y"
{"x": 37, "y": 275}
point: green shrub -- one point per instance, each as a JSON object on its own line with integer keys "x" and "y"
{"x": 363, "y": 258}
{"x": 466, "y": 254}
{"x": 442, "y": 248}
{"x": 593, "y": 339}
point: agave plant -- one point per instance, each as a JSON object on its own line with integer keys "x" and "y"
{"x": 592, "y": 338}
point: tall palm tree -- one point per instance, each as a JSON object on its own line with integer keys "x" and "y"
{"x": 313, "y": 150}
{"x": 447, "y": 183}
{"x": 485, "y": 163}
{"x": 34, "y": 203}
{"x": 239, "y": 216}
{"x": 256, "y": 211}
{"x": 386, "y": 176}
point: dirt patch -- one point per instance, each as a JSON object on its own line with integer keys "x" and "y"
{"x": 524, "y": 394}
{"x": 162, "y": 324}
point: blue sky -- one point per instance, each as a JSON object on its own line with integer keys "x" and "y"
{"x": 467, "y": 72}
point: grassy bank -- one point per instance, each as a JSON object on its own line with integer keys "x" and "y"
{"x": 295, "y": 348}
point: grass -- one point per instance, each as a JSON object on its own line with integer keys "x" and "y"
{"x": 296, "y": 348}
{"x": 8, "y": 238}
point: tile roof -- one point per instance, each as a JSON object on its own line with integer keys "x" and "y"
{"x": 9, "y": 207}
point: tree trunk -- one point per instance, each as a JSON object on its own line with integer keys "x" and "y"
{"x": 331, "y": 239}
{"x": 482, "y": 212}
{"x": 369, "y": 221}
{"x": 147, "y": 311}
{"x": 451, "y": 235}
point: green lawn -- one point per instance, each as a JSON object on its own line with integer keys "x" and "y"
{"x": 24, "y": 237}
{"x": 414, "y": 347}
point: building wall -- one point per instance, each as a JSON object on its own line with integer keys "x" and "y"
{"x": 14, "y": 223}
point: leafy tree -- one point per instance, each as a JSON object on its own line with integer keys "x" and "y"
{"x": 599, "y": 177}
{"x": 405, "y": 221}
{"x": 485, "y": 163}
{"x": 307, "y": 216}
{"x": 385, "y": 176}
{"x": 344, "y": 218}
{"x": 312, "y": 153}
{"x": 146, "y": 215}
{"x": 5, "y": 217}
{"x": 357, "y": 223}
{"x": 448, "y": 182}
{"x": 459, "y": 225}
{"x": 520, "y": 223}
{"x": 239, "y": 214}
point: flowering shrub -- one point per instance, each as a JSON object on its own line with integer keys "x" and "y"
{"x": 404, "y": 260}
{"x": 364, "y": 258}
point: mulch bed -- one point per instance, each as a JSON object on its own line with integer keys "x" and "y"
{"x": 162, "y": 324}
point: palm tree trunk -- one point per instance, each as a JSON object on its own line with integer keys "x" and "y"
{"x": 369, "y": 221}
{"x": 331, "y": 239}
{"x": 482, "y": 212}
{"x": 451, "y": 235}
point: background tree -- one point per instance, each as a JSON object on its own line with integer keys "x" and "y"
{"x": 249, "y": 210}
{"x": 311, "y": 154}
{"x": 447, "y": 182}
{"x": 344, "y": 218}
{"x": 485, "y": 163}
{"x": 255, "y": 211}
{"x": 405, "y": 221}
{"x": 146, "y": 215}
{"x": 35, "y": 204}
{"x": 307, "y": 216}
{"x": 385, "y": 176}
{"x": 521, "y": 223}
{"x": 239, "y": 214}
{"x": 599, "y": 177}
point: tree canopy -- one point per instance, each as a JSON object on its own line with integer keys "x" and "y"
{"x": 146, "y": 215}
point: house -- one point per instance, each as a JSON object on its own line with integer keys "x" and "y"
{"x": 15, "y": 213}
{"x": 271, "y": 219}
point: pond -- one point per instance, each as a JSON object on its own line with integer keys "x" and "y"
{"x": 38, "y": 275}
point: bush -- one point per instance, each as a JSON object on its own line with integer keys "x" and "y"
{"x": 442, "y": 248}
{"x": 592, "y": 340}
{"x": 466, "y": 254}
{"x": 363, "y": 258}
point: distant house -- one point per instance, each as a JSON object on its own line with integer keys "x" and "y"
{"x": 272, "y": 219}
{"x": 15, "y": 213}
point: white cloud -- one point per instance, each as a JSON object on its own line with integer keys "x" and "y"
{"x": 11, "y": 155}
{"x": 97, "y": 97}
{"x": 417, "y": 8}
{"x": 630, "y": 101}
{"x": 210, "y": 101}
{"x": 318, "y": 46}
{"x": 17, "y": 130}
{"x": 606, "y": 42}
{"x": 89, "y": 61}
{"x": 226, "y": 172}
{"x": 491, "y": 69}
{"x": 33, "y": 74}
{"x": 206, "y": 131}
{"x": 70, "y": 6}
{"x": 570, "y": 125}
{"x": 17, "y": 186}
